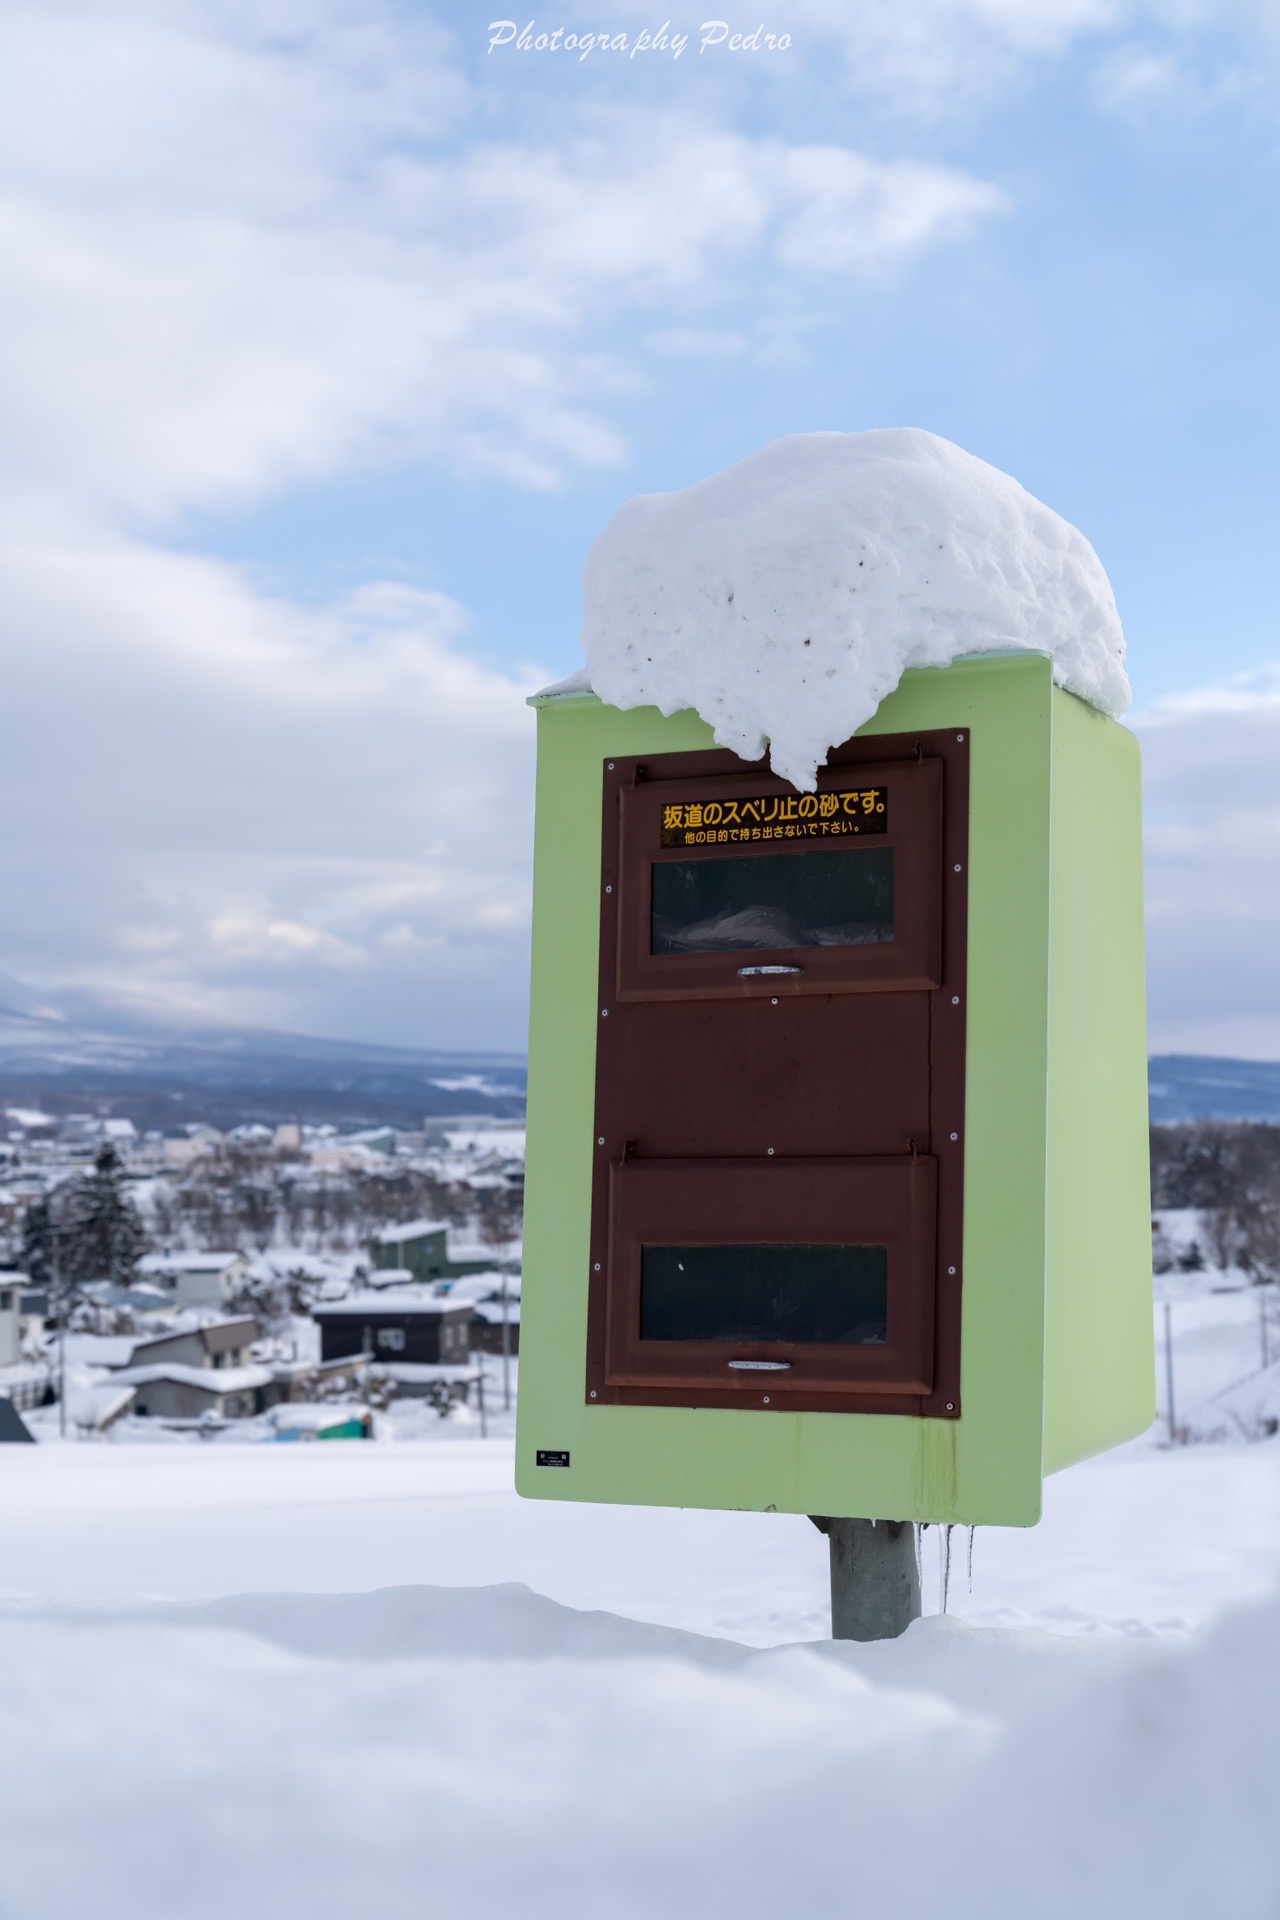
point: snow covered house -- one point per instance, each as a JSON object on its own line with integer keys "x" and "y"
{"x": 196, "y": 1279}
{"x": 425, "y": 1248}
{"x": 485, "y": 1291}
{"x": 405, "y": 1324}
{"x": 216, "y": 1343}
{"x": 421, "y": 1247}
{"x": 171, "y": 1391}
{"x": 487, "y": 1317}
{"x": 11, "y": 1285}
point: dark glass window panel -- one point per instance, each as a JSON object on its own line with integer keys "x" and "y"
{"x": 811, "y": 1296}
{"x": 837, "y": 897}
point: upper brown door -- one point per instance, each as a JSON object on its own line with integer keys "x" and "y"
{"x": 736, "y": 885}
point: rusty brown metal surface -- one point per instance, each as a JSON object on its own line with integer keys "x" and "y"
{"x": 819, "y": 1105}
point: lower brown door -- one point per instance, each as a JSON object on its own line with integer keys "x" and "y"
{"x": 781, "y": 1282}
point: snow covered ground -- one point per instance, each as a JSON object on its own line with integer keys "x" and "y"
{"x": 352, "y": 1677}
{"x": 253, "y": 1680}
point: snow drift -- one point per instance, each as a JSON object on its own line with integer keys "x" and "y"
{"x": 785, "y": 597}
{"x": 494, "y": 1754}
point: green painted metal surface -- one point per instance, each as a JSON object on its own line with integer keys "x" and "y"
{"x": 1038, "y": 994}
{"x": 1099, "y": 1362}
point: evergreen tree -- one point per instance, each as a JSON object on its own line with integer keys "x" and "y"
{"x": 87, "y": 1229}
{"x": 104, "y": 1237}
{"x": 37, "y": 1242}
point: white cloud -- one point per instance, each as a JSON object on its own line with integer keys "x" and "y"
{"x": 920, "y": 56}
{"x": 242, "y": 248}
{"x": 1213, "y": 868}
{"x": 697, "y": 343}
{"x": 924, "y": 59}
{"x": 236, "y": 259}
{"x": 304, "y": 817}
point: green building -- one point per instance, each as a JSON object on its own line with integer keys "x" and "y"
{"x": 421, "y": 1247}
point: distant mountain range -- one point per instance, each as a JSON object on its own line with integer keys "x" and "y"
{"x": 76, "y": 1052}
{"x": 79, "y": 1052}
{"x": 1194, "y": 1086}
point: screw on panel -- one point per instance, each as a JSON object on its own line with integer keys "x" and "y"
{"x": 950, "y": 1269}
{"x": 608, "y": 889}
{"x": 955, "y": 999}
{"x": 597, "y": 1267}
{"x": 959, "y": 736}
{"x": 770, "y": 1149}
{"x": 951, "y": 1406}
{"x": 766, "y": 1399}
{"x": 593, "y": 1393}
{"x": 775, "y": 999}
{"x": 955, "y": 1136}
{"x": 600, "y": 1141}
{"x": 604, "y": 1013}
{"x": 957, "y": 866}
{"x": 611, "y": 766}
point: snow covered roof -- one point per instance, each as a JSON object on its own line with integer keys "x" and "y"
{"x": 215, "y": 1381}
{"x": 410, "y": 1230}
{"x": 394, "y": 1300}
{"x": 483, "y": 1286}
{"x": 100, "y": 1349}
{"x": 187, "y": 1262}
{"x": 97, "y": 1403}
{"x": 784, "y": 598}
{"x": 314, "y": 1416}
{"x": 412, "y": 1373}
{"x": 384, "y": 1277}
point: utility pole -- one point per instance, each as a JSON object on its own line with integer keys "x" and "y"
{"x": 506, "y": 1349}
{"x": 61, "y": 1298}
{"x": 1168, "y": 1371}
{"x": 1262, "y": 1326}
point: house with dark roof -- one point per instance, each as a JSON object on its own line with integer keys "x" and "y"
{"x": 400, "y": 1324}
{"x": 217, "y": 1343}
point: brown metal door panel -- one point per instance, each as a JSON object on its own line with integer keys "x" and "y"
{"x": 912, "y": 836}
{"x": 886, "y": 1202}
{"x": 845, "y": 1074}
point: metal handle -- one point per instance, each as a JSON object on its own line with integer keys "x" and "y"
{"x": 748, "y": 970}
{"x": 761, "y": 1366}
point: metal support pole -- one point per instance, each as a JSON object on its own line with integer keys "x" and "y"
{"x": 875, "y": 1583}
{"x": 1168, "y": 1371}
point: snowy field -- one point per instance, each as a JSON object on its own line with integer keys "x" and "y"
{"x": 362, "y": 1678}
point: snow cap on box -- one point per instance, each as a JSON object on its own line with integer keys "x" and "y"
{"x": 784, "y": 598}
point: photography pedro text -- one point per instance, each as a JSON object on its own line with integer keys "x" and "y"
{"x": 711, "y": 34}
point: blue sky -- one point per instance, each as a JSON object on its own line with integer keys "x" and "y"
{"x": 1108, "y": 335}
{"x": 336, "y": 338}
